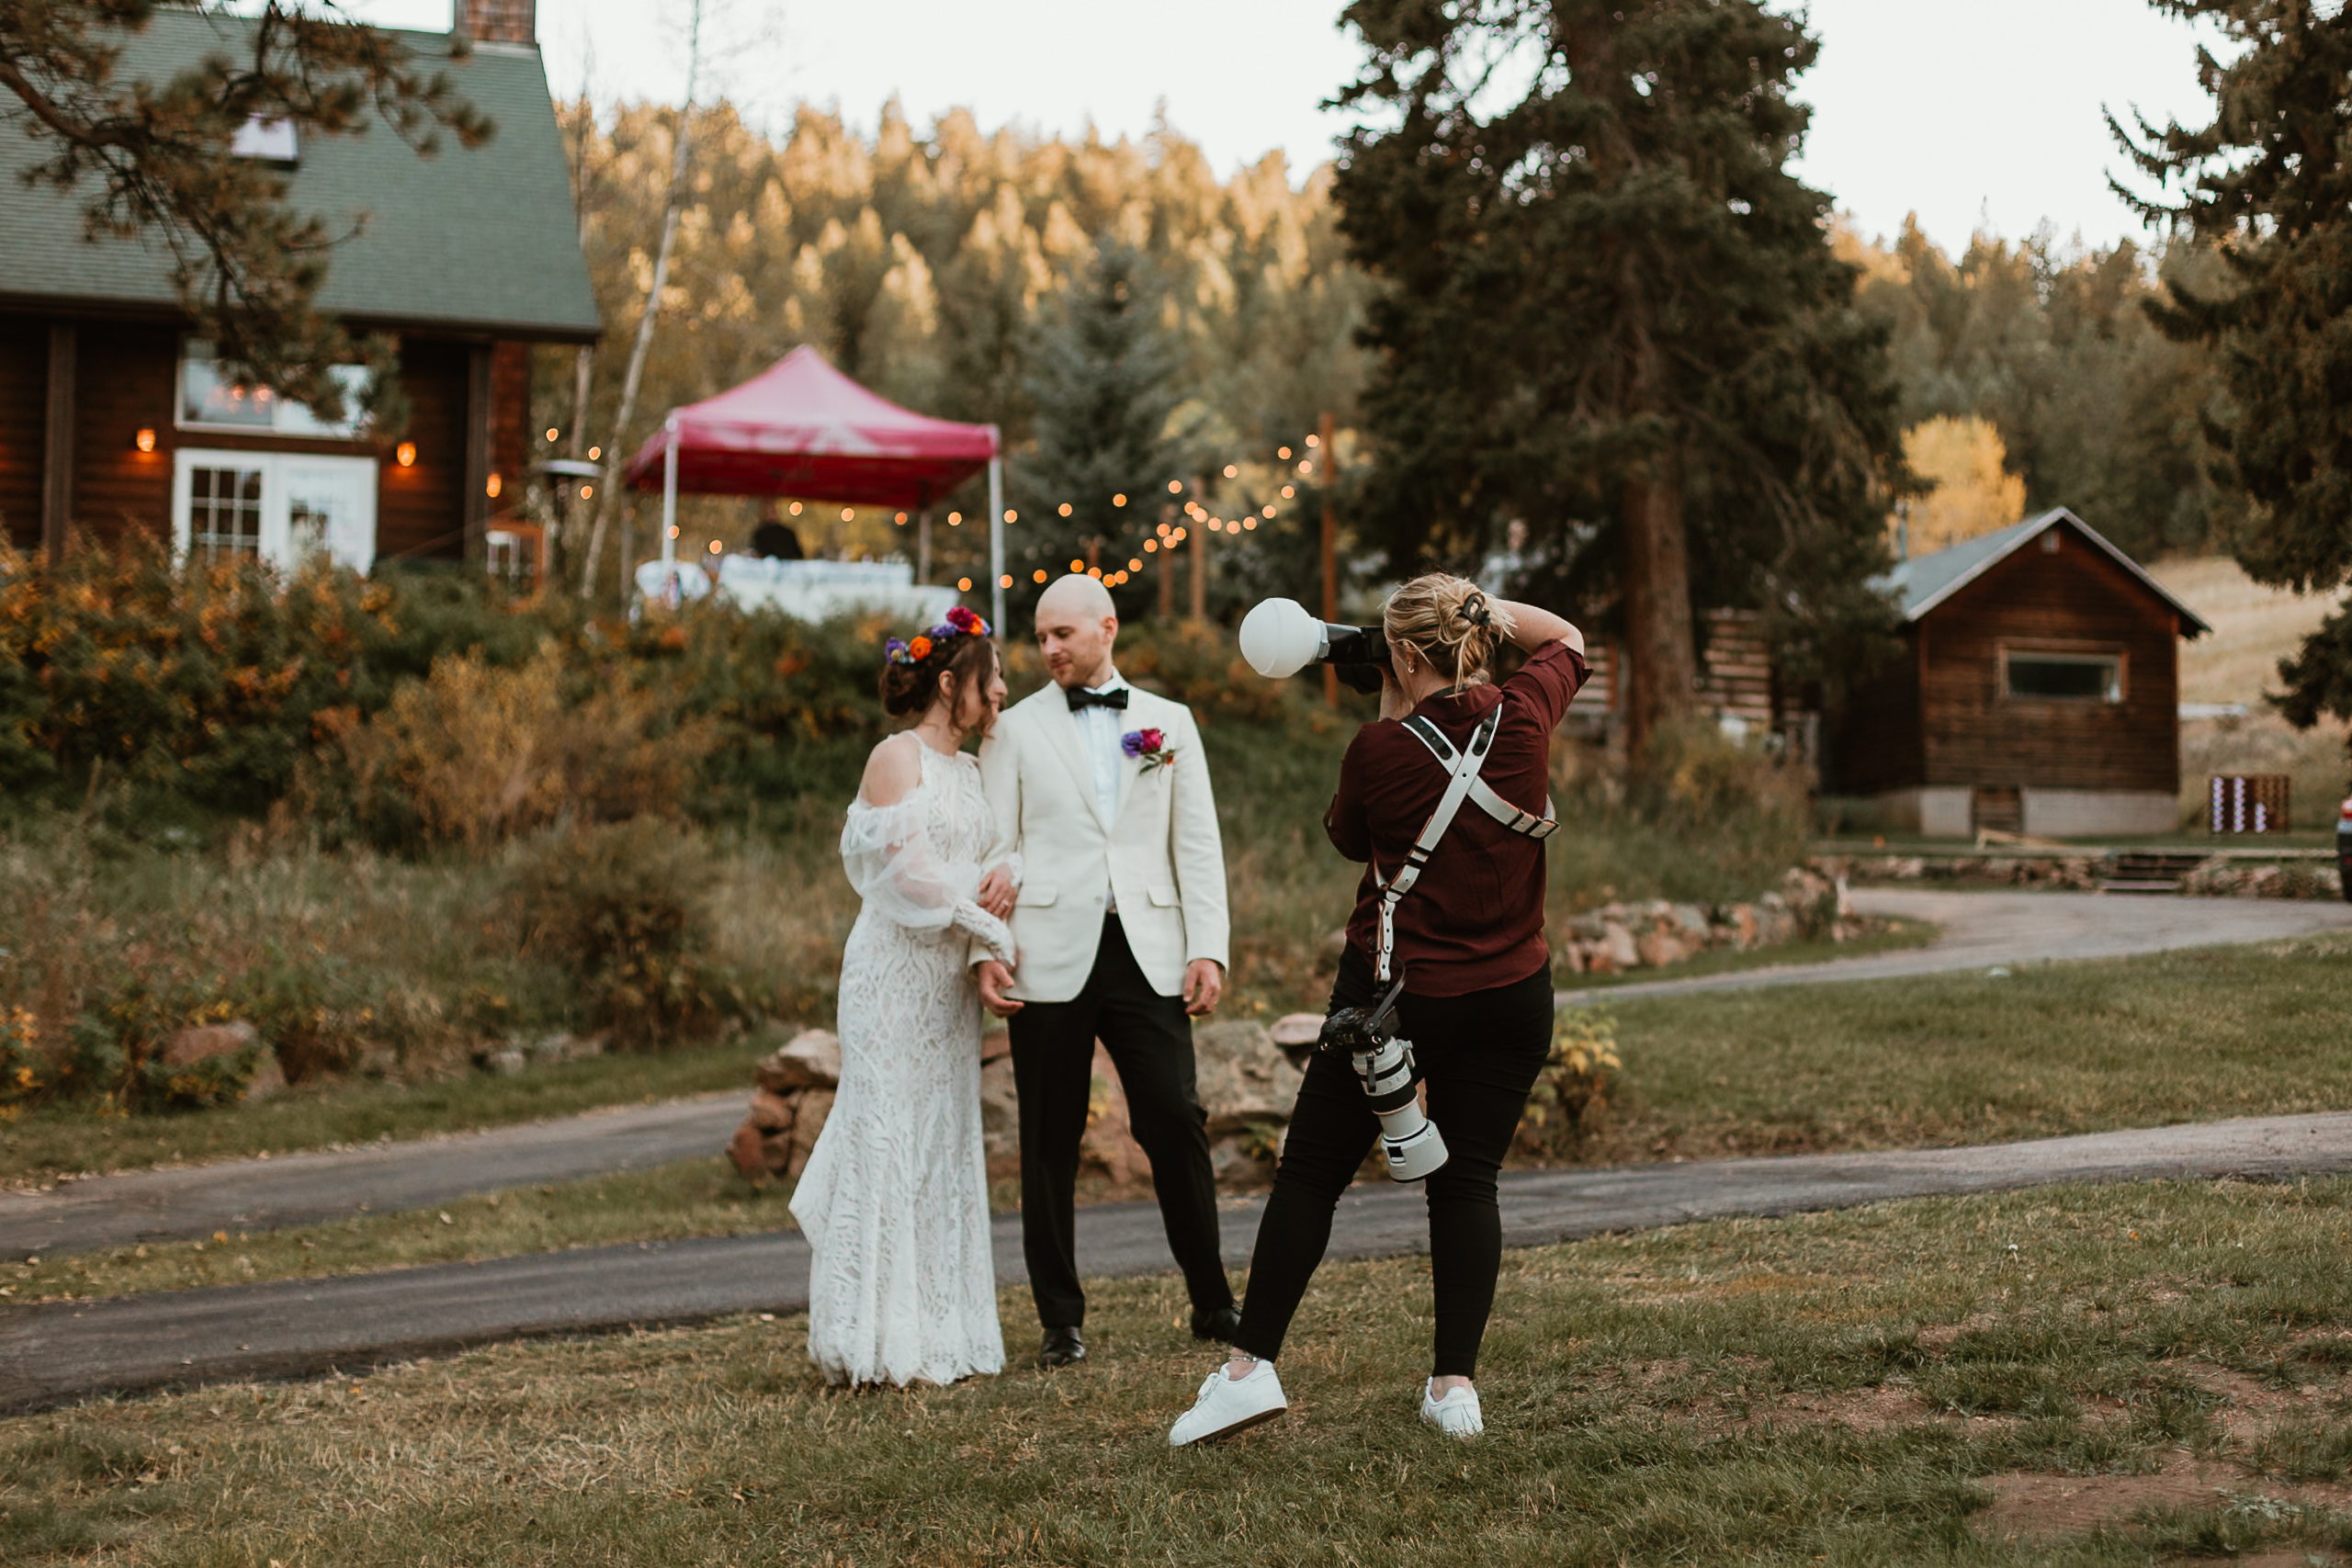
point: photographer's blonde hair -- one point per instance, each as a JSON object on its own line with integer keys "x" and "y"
{"x": 1450, "y": 621}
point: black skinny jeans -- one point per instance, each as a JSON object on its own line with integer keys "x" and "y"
{"x": 1479, "y": 1054}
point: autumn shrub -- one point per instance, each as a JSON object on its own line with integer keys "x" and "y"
{"x": 474, "y": 754}
{"x": 117, "y": 1048}
{"x": 1576, "y": 1080}
{"x": 623, "y": 905}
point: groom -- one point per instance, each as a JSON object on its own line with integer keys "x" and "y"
{"x": 1120, "y": 924}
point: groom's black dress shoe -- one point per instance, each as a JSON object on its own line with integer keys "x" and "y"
{"x": 1220, "y": 1326}
{"x": 1062, "y": 1346}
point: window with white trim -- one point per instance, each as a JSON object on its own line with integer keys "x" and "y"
{"x": 212, "y": 401}
{"x": 289, "y": 509}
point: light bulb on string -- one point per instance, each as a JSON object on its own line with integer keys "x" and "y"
{"x": 1313, "y": 441}
{"x": 1005, "y": 582}
{"x": 1249, "y": 521}
{"x": 1119, "y": 499}
{"x": 1078, "y": 566}
{"x": 1134, "y": 566}
{"x": 1064, "y": 509}
{"x": 1039, "y": 575}
{"x": 963, "y": 585}
{"x": 1283, "y": 452}
{"x": 1230, "y": 472}
{"x": 1175, "y": 487}
{"x": 1149, "y": 545}
{"x": 1268, "y": 512}
{"x": 954, "y": 520}
{"x": 1289, "y": 493}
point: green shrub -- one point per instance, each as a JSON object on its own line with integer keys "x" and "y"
{"x": 1577, "y": 1076}
{"x": 621, "y": 903}
{"x": 117, "y": 1048}
{"x": 26, "y": 1074}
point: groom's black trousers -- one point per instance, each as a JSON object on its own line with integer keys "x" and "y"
{"x": 1150, "y": 1041}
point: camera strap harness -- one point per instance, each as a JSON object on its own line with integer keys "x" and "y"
{"x": 1464, "y": 785}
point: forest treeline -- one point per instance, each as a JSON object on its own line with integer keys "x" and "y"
{"x": 931, "y": 265}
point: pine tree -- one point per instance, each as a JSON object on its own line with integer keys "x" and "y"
{"x": 1611, "y": 312}
{"x": 1104, "y": 378}
{"x": 2267, "y": 182}
{"x": 156, "y": 154}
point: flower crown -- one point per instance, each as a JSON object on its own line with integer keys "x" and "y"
{"x": 960, "y": 622}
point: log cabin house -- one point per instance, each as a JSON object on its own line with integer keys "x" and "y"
{"x": 113, "y": 418}
{"x": 2037, "y": 691}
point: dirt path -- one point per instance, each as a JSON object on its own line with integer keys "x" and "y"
{"x": 1981, "y": 930}
{"x": 64, "y": 1351}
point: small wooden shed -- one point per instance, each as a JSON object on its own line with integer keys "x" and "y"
{"x": 2038, "y": 692}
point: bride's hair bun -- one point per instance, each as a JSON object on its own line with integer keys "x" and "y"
{"x": 911, "y": 670}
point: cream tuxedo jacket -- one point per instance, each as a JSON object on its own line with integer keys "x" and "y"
{"x": 1161, "y": 855}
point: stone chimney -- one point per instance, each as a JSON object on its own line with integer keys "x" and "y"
{"x": 499, "y": 21}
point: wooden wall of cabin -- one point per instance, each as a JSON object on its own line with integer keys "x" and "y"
{"x": 1875, "y": 740}
{"x": 2076, "y": 598}
{"x": 419, "y": 509}
{"x": 24, "y": 401}
{"x": 126, "y": 376}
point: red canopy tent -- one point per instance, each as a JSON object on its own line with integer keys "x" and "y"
{"x": 802, "y": 428}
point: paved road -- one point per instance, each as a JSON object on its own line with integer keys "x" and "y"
{"x": 57, "y": 1353}
{"x": 1981, "y": 930}
{"x": 306, "y": 1188}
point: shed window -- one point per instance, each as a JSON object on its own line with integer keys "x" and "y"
{"x": 2071, "y": 677}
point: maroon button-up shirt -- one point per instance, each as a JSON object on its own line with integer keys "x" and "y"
{"x": 1475, "y": 918}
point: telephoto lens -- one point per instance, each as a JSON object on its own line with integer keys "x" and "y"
{"x": 1384, "y": 1063}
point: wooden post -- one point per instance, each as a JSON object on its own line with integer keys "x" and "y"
{"x": 1167, "y": 571}
{"x": 57, "y": 447}
{"x": 922, "y": 546}
{"x": 1330, "y": 549}
{"x": 1200, "y": 557}
{"x": 476, "y": 510}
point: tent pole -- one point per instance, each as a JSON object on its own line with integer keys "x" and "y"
{"x": 922, "y": 546}
{"x": 996, "y": 541}
{"x": 669, "y": 492}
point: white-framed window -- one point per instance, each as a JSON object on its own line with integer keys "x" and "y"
{"x": 2047, "y": 675}
{"x": 286, "y": 508}
{"x": 210, "y": 400}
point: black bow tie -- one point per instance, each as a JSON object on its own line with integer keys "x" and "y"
{"x": 1080, "y": 697}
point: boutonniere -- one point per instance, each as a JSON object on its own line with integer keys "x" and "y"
{"x": 1149, "y": 747}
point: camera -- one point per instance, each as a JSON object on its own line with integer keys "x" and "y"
{"x": 1279, "y": 638}
{"x": 1367, "y": 1037}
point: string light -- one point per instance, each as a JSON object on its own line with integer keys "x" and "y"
{"x": 550, "y": 434}
{"x": 900, "y": 520}
{"x": 1268, "y": 512}
{"x": 1232, "y": 472}
{"x": 1065, "y": 509}
{"x": 954, "y": 520}
{"x": 716, "y": 548}
{"x": 595, "y": 454}
{"x": 1313, "y": 441}
{"x": 1039, "y": 575}
{"x": 673, "y": 530}
{"x": 1288, "y": 492}
{"x": 1305, "y": 466}
{"x": 1178, "y": 537}
{"x": 963, "y": 585}
{"x": 849, "y": 514}
{"x": 1283, "y": 452}
{"x": 1175, "y": 487}
{"x": 1119, "y": 499}
{"x": 1149, "y": 545}
{"x": 1094, "y": 572}
{"x": 796, "y": 509}
{"x": 1005, "y": 582}
{"x": 1011, "y": 515}
{"x": 1249, "y": 521}
{"x": 1134, "y": 566}
{"x": 587, "y": 491}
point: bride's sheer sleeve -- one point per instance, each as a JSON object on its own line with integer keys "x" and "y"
{"x": 891, "y": 863}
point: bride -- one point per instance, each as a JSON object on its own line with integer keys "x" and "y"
{"x": 894, "y": 1200}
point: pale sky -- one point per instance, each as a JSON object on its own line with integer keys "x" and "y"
{"x": 1983, "y": 112}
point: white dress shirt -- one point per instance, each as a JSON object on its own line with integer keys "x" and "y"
{"x": 1103, "y": 728}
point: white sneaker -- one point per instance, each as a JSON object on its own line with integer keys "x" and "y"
{"x": 1457, "y": 1415}
{"x": 1228, "y": 1404}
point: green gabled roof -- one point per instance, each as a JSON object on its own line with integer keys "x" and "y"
{"x": 1922, "y": 583}
{"x": 478, "y": 240}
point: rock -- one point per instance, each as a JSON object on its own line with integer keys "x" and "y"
{"x": 204, "y": 1042}
{"x": 506, "y": 1064}
{"x": 1568, "y": 959}
{"x": 1618, "y": 943}
{"x": 745, "y": 1151}
{"x": 1000, "y": 1109}
{"x": 809, "y": 1114}
{"x": 1244, "y": 1077}
{"x": 1296, "y": 1032}
{"x": 996, "y": 1045}
{"x": 1657, "y": 949}
{"x": 810, "y": 1059}
{"x": 1692, "y": 922}
{"x": 1239, "y": 1157}
{"x": 550, "y": 1050}
{"x": 1334, "y": 945}
{"x": 270, "y": 1078}
{"x": 1597, "y": 958}
{"x": 771, "y": 1112}
{"x": 1108, "y": 1143}
{"x": 1739, "y": 924}
{"x": 1590, "y": 926}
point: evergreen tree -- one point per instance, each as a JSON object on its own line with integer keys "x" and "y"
{"x": 2267, "y": 182}
{"x": 155, "y": 157}
{"x": 1103, "y": 378}
{"x": 1613, "y": 313}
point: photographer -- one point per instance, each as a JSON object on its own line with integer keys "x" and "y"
{"x": 1466, "y": 942}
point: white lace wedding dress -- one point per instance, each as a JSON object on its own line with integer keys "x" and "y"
{"x": 894, "y": 1200}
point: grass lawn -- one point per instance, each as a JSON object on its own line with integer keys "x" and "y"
{"x": 73, "y": 1137}
{"x": 2089, "y": 1375}
{"x": 1966, "y": 1059}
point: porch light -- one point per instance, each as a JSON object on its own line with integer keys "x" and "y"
{"x": 144, "y": 440}
{"x": 494, "y": 486}
{"x": 405, "y": 455}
